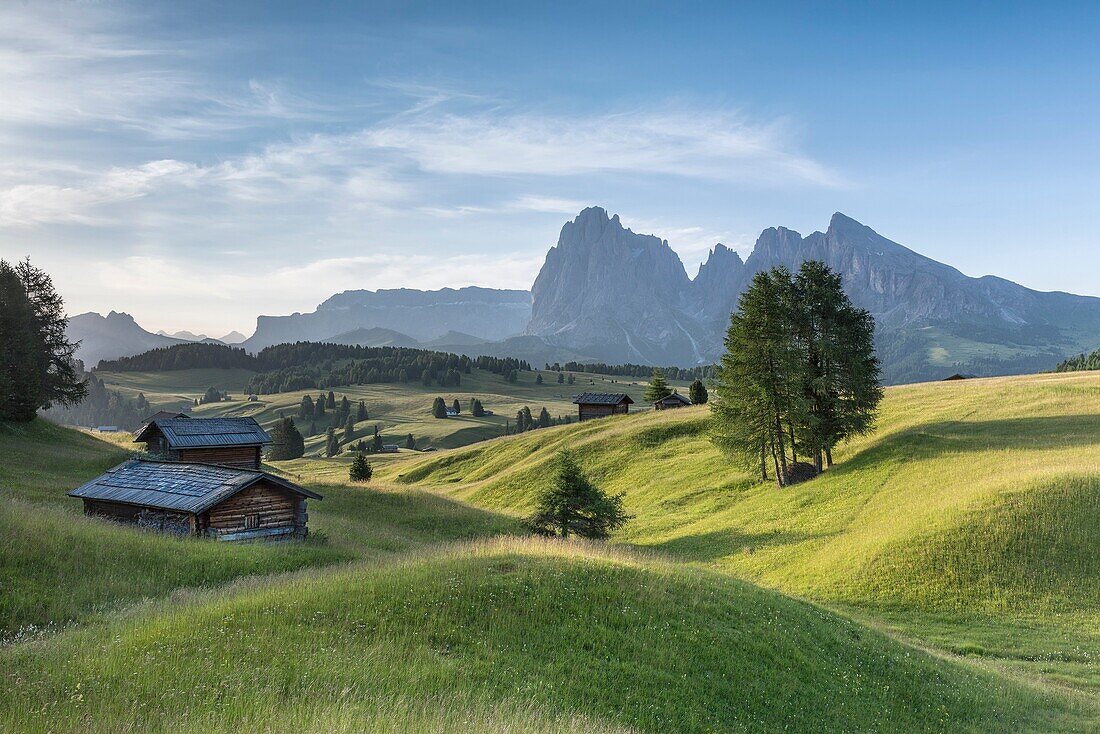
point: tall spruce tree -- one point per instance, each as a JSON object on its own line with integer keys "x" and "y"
{"x": 544, "y": 418}
{"x": 799, "y": 374}
{"x": 361, "y": 412}
{"x": 58, "y": 374}
{"x": 376, "y": 443}
{"x": 286, "y": 442}
{"x": 330, "y": 400}
{"x": 658, "y": 387}
{"x": 349, "y": 429}
{"x": 305, "y": 410}
{"x": 23, "y": 351}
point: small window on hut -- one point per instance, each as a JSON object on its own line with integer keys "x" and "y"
{"x": 251, "y": 522}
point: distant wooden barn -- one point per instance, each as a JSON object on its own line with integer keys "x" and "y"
{"x": 160, "y": 415}
{"x": 199, "y": 499}
{"x": 675, "y": 400}
{"x": 236, "y": 442}
{"x": 601, "y": 404}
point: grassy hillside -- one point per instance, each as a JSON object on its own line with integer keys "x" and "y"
{"x": 56, "y": 566}
{"x": 968, "y": 525}
{"x": 396, "y": 409}
{"x": 970, "y": 519}
{"x": 501, "y": 636}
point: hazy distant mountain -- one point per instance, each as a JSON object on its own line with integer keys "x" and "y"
{"x": 233, "y": 337}
{"x": 112, "y": 336}
{"x": 621, "y": 296}
{"x": 186, "y": 336}
{"x": 485, "y": 313}
{"x": 374, "y": 337}
{"x": 454, "y": 338}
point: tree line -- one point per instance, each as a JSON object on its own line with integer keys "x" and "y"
{"x": 799, "y": 374}
{"x": 643, "y": 371}
{"x": 183, "y": 357}
{"x": 1080, "y": 362}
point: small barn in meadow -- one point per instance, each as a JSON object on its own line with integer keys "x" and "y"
{"x": 199, "y": 499}
{"x": 236, "y": 442}
{"x": 675, "y": 400}
{"x": 601, "y": 404}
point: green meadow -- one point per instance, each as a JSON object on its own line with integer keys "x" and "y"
{"x": 940, "y": 578}
{"x": 397, "y": 409}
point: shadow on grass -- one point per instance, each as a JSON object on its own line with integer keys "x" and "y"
{"x": 929, "y": 440}
{"x": 365, "y": 520}
{"x": 719, "y": 544}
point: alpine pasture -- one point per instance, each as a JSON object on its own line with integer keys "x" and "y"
{"x": 941, "y": 577}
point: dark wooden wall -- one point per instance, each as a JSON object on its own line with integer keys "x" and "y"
{"x": 585, "y": 412}
{"x": 241, "y": 457}
{"x": 275, "y": 512}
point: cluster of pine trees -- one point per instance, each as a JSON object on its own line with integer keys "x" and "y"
{"x": 182, "y": 357}
{"x": 328, "y": 365}
{"x": 527, "y": 421}
{"x": 286, "y": 441}
{"x": 799, "y": 374}
{"x": 502, "y": 365}
{"x": 644, "y": 371}
{"x": 1081, "y": 362}
{"x": 37, "y": 368}
{"x": 101, "y": 407}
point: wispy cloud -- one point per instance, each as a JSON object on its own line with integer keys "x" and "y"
{"x": 681, "y": 142}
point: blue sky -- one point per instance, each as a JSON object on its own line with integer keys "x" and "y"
{"x": 199, "y": 165}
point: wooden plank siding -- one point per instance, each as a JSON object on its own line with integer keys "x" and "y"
{"x": 587, "y": 411}
{"x": 239, "y": 457}
{"x": 262, "y": 510}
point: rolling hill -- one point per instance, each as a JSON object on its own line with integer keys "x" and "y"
{"x": 970, "y": 518}
{"x": 940, "y": 578}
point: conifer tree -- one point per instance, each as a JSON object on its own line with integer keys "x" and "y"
{"x": 658, "y": 387}
{"x": 521, "y": 422}
{"x": 456, "y": 407}
{"x": 476, "y": 408}
{"x": 305, "y": 410}
{"x": 345, "y": 406}
{"x": 330, "y": 401}
{"x": 361, "y": 414}
{"x": 572, "y": 505}
{"x": 349, "y": 429}
{"x": 376, "y": 445}
{"x": 361, "y": 470}
{"x": 332, "y": 444}
{"x": 571, "y": 379}
{"x": 319, "y": 406}
{"x": 561, "y": 378}
{"x": 286, "y": 441}
{"x": 528, "y": 419}
{"x": 439, "y": 408}
{"x": 410, "y": 442}
{"x": 544, "y": 418}
{"x": 22, "y": 351}
{"x": 538, "y": 378}
{"x": 697, "y": 393}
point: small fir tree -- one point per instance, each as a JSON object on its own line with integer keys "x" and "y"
{"x": 439, "y": 408}
{"x": 349, "y": 429}
{"x": 361, "y": 412}
{"x": 332, "y": 444}
{"x": 410, "y": 442}
{"x": 697, "y": 393}
{"x": 456, "y": 407}
{"x": 538, "y": 379}
{"x": 305, "y": 410}
{"x": 544, "y": 418}
{"x": 361, "y": 470}
{"x": 376, "y": 444}
{"x": 572, "y": 505}
{"x": 476, "y": 409}
{"x": 658, "y": 387}
{"x": 561, "y": 378}
{"x": 330, "y": 400}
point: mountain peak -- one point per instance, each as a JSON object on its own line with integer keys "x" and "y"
{"x": 842, "y": 222}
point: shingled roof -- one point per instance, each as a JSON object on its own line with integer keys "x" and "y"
{"x": 601, "y": 398}
{"x": 170, "y": 485}
{"x": 198, "y": 433}
{"x": 675, "y": 396}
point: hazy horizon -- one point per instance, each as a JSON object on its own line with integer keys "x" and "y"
{"x": 198, "y": 166}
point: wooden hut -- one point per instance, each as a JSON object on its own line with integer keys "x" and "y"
{"x": 199, "y": 499}
{"x": 236, "y": 442}
{"x": 675, "y": 400}
{"x": 601, "y": 404}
